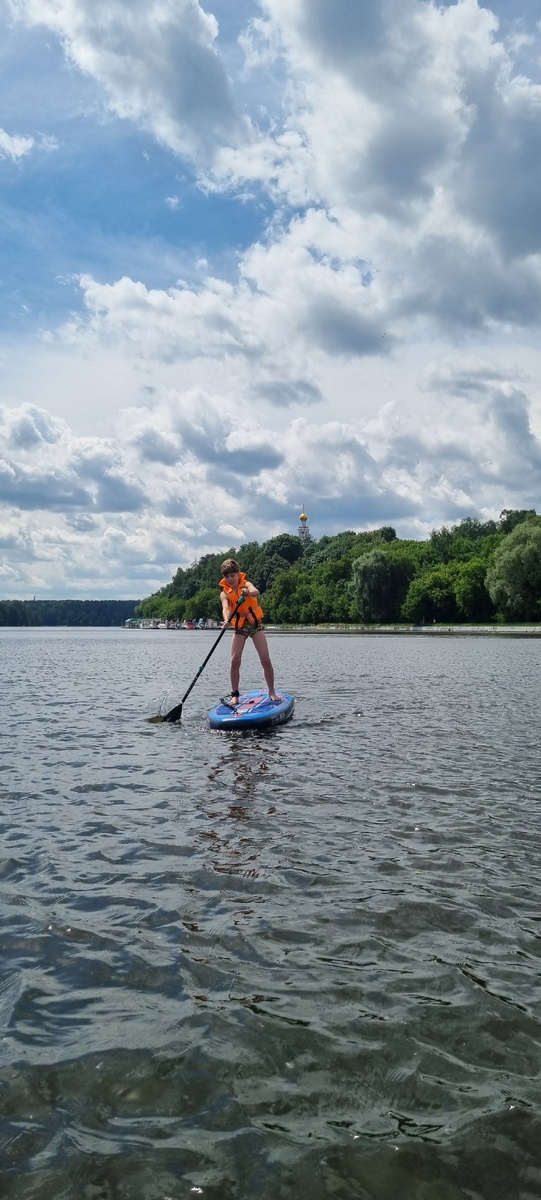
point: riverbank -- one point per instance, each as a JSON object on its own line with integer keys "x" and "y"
{"x": 533, "y": 631}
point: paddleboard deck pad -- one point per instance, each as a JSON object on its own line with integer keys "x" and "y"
{"x": 255, "y": 710}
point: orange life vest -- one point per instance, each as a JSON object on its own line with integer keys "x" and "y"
{"x": 250, "y": 610}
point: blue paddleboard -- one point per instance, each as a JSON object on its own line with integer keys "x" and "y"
{"x": 255, "y": 710}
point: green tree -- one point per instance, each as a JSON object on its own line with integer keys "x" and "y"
{"x": 270, "y": 565}
{"x": 475, "y": 530}
{"x": 472, "y": 597}
{"x": 286, "y": 545}
{"x": 346, "y": 545}
{"x": 511, "y": 517}
{"x": 17, "y": 612}
{"x": 299, "y": 597}
{"x": 461, "y": 541}
{"x": 206, "y": 603}
{"x": 315, "y": 582}
{"x": 76, "y": 612}
{"x": 440, "y": 544}
{"x": 380, "y": 583}
{"x": 289, "y": 590}
{"x": 514, "y": 579}
{"x": 431, "y": 596}
{"x": 171, "y": 608}
{"x": 387, "y": 533}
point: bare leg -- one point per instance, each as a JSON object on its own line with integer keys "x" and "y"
{"x": 237, "y": 647}
{"x": 260, "y": 643}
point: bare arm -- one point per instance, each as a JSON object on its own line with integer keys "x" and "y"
{"x": 226, "y": 611}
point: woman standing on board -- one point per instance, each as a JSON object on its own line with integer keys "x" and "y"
{"x": 247, "y": 623}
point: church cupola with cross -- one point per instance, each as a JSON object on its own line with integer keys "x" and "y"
{"x": 304, "y": 532}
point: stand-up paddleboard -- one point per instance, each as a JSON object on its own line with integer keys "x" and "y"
{"x": 255, "y": 710}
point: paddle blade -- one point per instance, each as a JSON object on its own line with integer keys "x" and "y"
{"x": 174, "y": 715}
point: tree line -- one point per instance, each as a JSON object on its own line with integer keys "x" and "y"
{"x": 474, "y": 571}
{"x": 66, "y": 612}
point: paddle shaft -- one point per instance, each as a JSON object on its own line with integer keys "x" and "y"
{"x": 174, "y": 715}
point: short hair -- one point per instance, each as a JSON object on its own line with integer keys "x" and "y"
{"x": 230, "y": 564}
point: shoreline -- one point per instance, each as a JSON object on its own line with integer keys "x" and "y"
{"x": 532, "y": 631}
{"x": 513, "y": 631}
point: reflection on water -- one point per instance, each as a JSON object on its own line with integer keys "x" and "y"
{"x": 244, "y": 762}
{"x": 301, "y": 962}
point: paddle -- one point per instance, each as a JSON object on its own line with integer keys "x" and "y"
{"x": 175, "y": 713}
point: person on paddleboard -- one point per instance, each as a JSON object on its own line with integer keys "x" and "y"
{"x": 246, "y": 623}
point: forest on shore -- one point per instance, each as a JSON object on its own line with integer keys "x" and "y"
{"x": 475, "y": 571}
{"x": 66, "y": 612}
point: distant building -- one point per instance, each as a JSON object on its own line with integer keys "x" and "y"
{"x": 304, "y": 532}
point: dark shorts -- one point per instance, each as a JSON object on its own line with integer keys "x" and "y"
{"x": 248, "y": 630}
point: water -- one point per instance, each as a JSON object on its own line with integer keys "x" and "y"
{"x": 305, "y": 963}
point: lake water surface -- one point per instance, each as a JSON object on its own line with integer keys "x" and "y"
{"x": 305, "y": 963}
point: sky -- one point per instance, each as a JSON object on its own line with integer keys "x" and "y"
{"x": 255, "y": 257}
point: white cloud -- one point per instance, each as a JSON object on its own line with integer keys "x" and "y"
{"x": 157, "y": 63}
{"x": 30, "y": 425}
{"x": 154, "y": 446}
{"x": 406, "y": 121}
{"x": 112, "y": 510}
{"x": 360, "y": 356}
{"x": 14, "y": 146}
{"x": 411, "y": 125}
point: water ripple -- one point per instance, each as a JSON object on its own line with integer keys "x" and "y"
{"x": 299, "y": 963}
